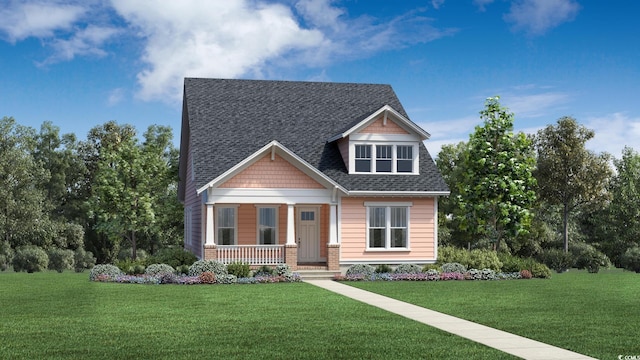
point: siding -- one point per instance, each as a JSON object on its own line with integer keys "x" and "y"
{"x": 377, "y": 128}
{"x": 276, "y": 174}
{"x": 192, "y": 200}
{"x": 421, "y": 228}
{"x": 343, "y": 146}
{"x": 248, "y": 224}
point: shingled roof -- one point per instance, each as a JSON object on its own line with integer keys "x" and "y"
{"x": 226, "y": 121}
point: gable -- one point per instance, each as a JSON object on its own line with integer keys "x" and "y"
{"x": 380, "y": 127}
{"x": 272, "y": 174}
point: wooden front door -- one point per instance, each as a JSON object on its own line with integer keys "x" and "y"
{"x": 308, "y": 234}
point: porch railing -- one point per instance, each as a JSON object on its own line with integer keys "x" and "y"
{"x": 252, "y": 254}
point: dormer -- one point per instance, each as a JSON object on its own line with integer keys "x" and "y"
{"x": 384, "y": 142}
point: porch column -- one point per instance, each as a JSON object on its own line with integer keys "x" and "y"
{"x": 210, "y": 235}
{"x": 291, "y": 229}
{"x": 333, "y": 224}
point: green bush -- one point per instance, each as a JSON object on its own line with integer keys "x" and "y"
{"x": 362, "y": 269}
{"x": 283, "y": 270}
{"x": 454, "y": 268}
{"x": 60, "y": 260}
{"x": 182, "y": 269}
{"x": 557, "y": 259}
{"x": 158, "y": 269}
{"x": 484, "y": 259}
{"x": 131, "y": 267}
{"x": 383, "y": 268}
{"x": 408, "y": 269}
{"x": 540, "y": 271}
{"x": 630, "y": 260}
{"x": 450, "y": 254}
{"x": 83, "y": 260}
{"x": 588, "y": 257}
{"x": 217, "y": 268}
{"x": 173, "y": 256}
{"x": 104, "y": 269}
{"x": 239, "y": 269}
{"x": 125, "y": 253}
{"x": 264, "y": 270}
{"x": 6, "y": 255}
{"x": 511, "y": 263}
{"x": 428, "y": 267}
{"x": 30, "y": 258}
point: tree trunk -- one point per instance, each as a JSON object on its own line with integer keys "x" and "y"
{"x": 133, "y": 246}
{"x": 565, "y": 214}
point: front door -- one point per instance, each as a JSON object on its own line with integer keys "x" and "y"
{"x": 308, "y": 234}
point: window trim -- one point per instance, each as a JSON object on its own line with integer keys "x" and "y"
{"x": 388, "y": 205}
{"x": 235, "y": 223}
{"x": 276, "y": 220}
{"x": 374, "y": 157}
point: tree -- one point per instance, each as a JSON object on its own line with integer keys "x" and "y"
{"x": 568, "y": 174}
{"x": 495, "y": 190}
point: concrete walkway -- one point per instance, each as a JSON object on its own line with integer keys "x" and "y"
{"x": 501, "y": 340}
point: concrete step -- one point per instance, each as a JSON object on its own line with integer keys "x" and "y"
{"x": 317, "y": 274}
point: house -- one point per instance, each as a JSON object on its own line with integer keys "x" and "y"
{"x": 330, "y": 174}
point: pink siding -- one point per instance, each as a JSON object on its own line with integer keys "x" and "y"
{"x": 192, "y": 200}
{"x": 377, "y": 128}
{"x": 343, "y": 146}
{"x": 266, "y": 173}
{"x": 421, "y": 231}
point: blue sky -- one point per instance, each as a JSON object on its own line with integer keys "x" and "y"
{"x": 82, "y": 63}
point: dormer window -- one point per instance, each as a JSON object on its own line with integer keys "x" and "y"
{"x": 363, "y": 158}
{"x": 404, "y": 159}
{"x": 384, "y": 158}
{"x": 378, "y": 157}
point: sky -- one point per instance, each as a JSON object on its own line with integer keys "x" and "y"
{"x": 82, "y": 63}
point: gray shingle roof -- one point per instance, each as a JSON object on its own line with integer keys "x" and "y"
{"x": 229, "y": 120}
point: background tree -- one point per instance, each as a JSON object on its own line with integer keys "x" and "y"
{"x": 568, "y": 174}
{"x": 495, "y": 191}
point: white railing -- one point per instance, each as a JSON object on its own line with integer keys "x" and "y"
{"x": 252, "y": 254}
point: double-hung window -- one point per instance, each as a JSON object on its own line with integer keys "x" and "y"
{"x": 363, "y": 158}
{"x": 384, "y": 158}
{"x": 267, "y": 225}
{"x": 404, "y": 156}
{"x": 387, "y": 225}
{"x": 226, "y": 225}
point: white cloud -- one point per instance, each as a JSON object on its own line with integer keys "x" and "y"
{"x": 535, "y": 17}
{"x": 320, "y": 13}
{"x": 534, "y": 105}
{"x": 84, "y": 42}
{"x": 437, "y": 3}
{"x": 21, "y": 20}
{"x": 115, "y": 96}
{"x": 481, "y": 4}
{"x": 613, "y": 132}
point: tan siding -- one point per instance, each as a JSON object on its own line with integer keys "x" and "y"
{"x": 247, "y": 224}
{"x": 193, "y": 200}
{"x": 267, "y": 173}
{"x": 377, "y": 128}
{"x": 421, "y": 228}
{"x": 282, "y": 224}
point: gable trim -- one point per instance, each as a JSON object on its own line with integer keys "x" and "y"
{"x": 289, "y": 156}
{"x": 386, "y": 111}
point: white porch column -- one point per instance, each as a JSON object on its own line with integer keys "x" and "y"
{"x": 291, "y": 229}
{"x": 210, "y": 235}
{"x": 333, "y": 224}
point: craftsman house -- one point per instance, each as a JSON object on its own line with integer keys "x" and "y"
{"x": 330, "y": 174}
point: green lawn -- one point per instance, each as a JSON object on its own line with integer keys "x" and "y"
{"x": 593, "y": 314}
{"x": 64, "y": 316}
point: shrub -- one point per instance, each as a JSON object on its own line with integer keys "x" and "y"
{"x": 383, "y": 268}
{"x": 408, "y": 269}
{"x": 264, "y": 270}
{"x": 283, "y": 269}
{"x": 168, "y": 278}
{"x": 125, "y": 253}
{"x": 453, "y": 268}
{"x": 227, "y": 279}
{"x": 60, "y": 260}
{"x": 450, "y": 254}
{"x": 30, "y": 258}
{"x": 484, "y": 274}
{"x": 484, "y": 259}
{"x": 158, "y": 269}
{"x": 451, "y": 276}
{"x": 104, "y": 270}
{"x": 540, "y": 271}
{"x": 239, "y": 269}
{"x": 182, "y": 269}
{"x": 6, "y": 255}
{"x": 83, "y": 260}
{"x": 525, "y": 274}
{"x": 428, "y": 267}
{"x": 207, "y": 277}
{"x": 433, "y": 274}
{"x": 131, "y": 267}
{"x": 588, "y": 257}
{"x": 557, "y": 259}
{"x": 362, "y": 269}
{"x": 630, "y": 260}
{"x": 217, "y": 268}
{"x": 173, "y": 256}
{"x": 510, "y": 263}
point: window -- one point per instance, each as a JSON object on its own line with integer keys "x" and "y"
{"x": 267, "y": 220}
{"x": 384, "y": 158}
{"x": 226, "y": 226}
{"x": 363, "y": 158}
{"x": 388, "y": 226}
{"x": 307, "y": 215}
{"x": 404, "y": 158}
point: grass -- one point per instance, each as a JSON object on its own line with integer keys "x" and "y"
{"x": 64, "y": 316}
{"x": 593, "y": 314}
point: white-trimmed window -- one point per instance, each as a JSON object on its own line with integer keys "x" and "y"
{"x": 385, "y": 158}
{"x": 227, "y": 225}
{"x": 387, "y": 226}
{"x": 267, "y": 225}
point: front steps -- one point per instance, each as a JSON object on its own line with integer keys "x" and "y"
{"x": 315, "y": 272}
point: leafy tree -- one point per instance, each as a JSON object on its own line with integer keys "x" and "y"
{"x": 495, "y": 190}
{"x": 568, "y": 174}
